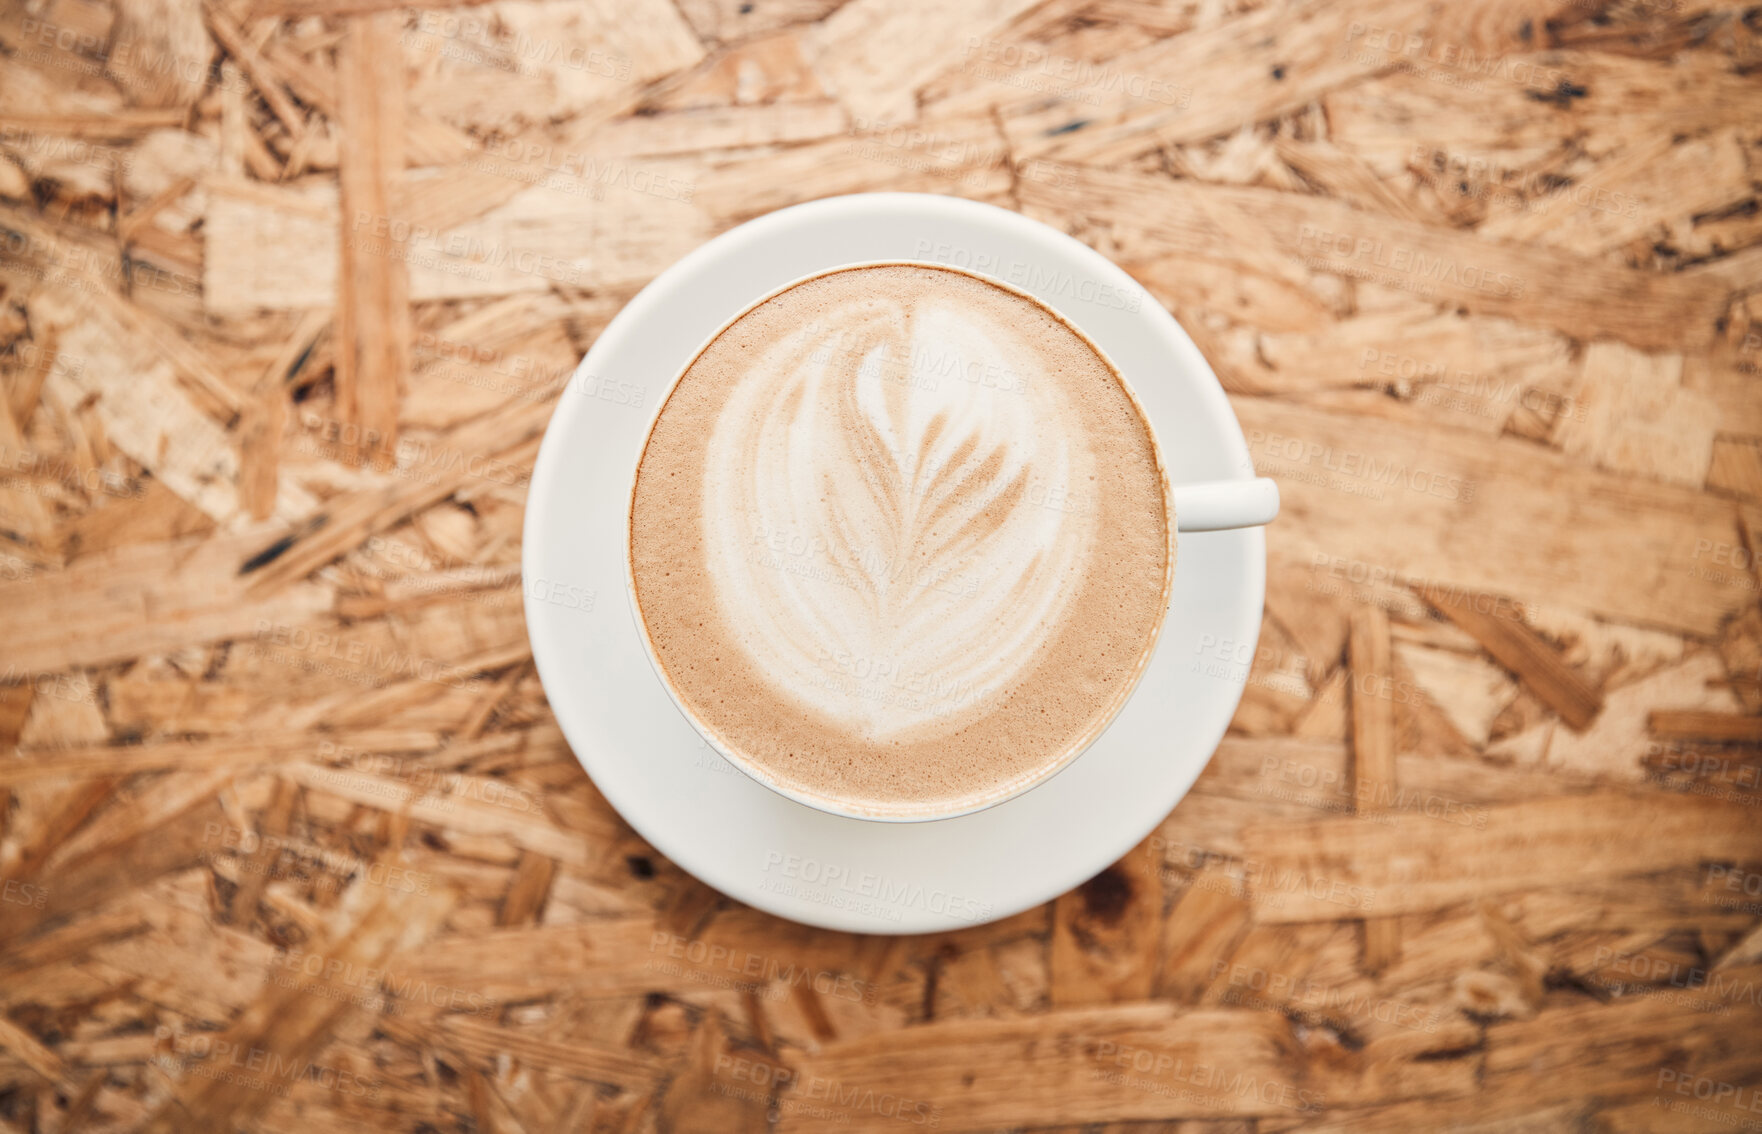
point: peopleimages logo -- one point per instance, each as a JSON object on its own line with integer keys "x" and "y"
{"x": 74, "y": 688}
{"x": 319, "y": 649}
{"x": 1432, "y": 269}
{"x": 1376, "y": 44}
{"x": 473, "y": 39}
{"x": 48, "y": 44}
{"x": 1378, "y": 799}
{"x": 1709, "y": 1090}
{"x": 284, "y": 857}
{"x": 1031, "y": 67}
{"x": 1523, "y": 186}
{"x": 394, "y": 237}
{"x": 418, "y": 780}
{"x": 379, "y": 989}
{"x": 1360, "y": 474}
{"x": 888, "y": 680}
{"x": 1275, "y": 883}
{"x": 840, "y": 886}
{"x": 1158, "y": 1071}
{"x": 1664, "y": 758}
{"x": 800, "y": 1092}
{"x": 23, "y": 894}
{"x": 258, "y": 1068}
{"x": 1250, "y": 986}
{"x": 1483, "y": 395}
{"x": 1650, "y": 972}
{"x": 795, "y": 552}
{"x": 412, "y": 457}
{"x": 746, "y": 971}
{"x": 1042, "y": 281}
{"x": 921, "y": 366}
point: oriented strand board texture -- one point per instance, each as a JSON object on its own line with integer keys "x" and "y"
{"x": 290, "y": 841}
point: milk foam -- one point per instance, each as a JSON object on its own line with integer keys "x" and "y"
{"x": 886, "y": 515}
{"x": 900, "y": 540}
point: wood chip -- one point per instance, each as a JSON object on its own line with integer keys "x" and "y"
{"x": 1535, "y": 662}
{"x": 373, "y": 293}
{"x": 1371, "y": 661}
{"x": 1713, "y": 728}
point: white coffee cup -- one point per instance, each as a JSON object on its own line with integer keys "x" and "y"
{"x": 1207, "y": 506}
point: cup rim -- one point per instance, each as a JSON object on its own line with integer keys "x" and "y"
{"x": 1040, "y": 775}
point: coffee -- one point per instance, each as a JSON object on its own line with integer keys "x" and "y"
{"x": 901, "y": 540}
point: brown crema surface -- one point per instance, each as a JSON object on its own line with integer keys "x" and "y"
{"x": 1085, "y": 664}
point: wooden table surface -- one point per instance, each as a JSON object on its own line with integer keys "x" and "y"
{"x": 292, "y": 841}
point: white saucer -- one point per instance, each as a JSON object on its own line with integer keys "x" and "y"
{"x": 746, "y": 840}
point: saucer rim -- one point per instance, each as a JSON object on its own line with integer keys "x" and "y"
{"x": 660, "y": 826}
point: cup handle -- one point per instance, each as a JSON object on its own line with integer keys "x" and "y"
{"x": 1218, "y": 505}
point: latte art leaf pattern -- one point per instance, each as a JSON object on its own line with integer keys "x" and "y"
{"x": 886, "y": 514}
